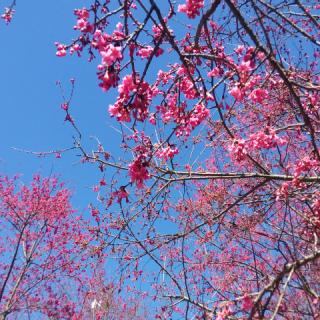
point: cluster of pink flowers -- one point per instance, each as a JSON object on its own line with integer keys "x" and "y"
{"x": 159, "y": 52}
{"x": 111, "y": 54}
{"x": 187, "y": 87}
{"x": 170, "y": 110}
{"x": 132, "y": 47}
{"x": 65, "y": 106}
{"x": 296, "y": 184}
{"x": 94, "y": 212}
{"x": 152, "y": 119}
{"x": 227, "y": 311}
{"x": 246, "y": 303}
{"x": 96, "y": 188}
{"x": 82, "y": 24}
{"x": 246, "y": 65}
{"x": 167, "y": 153}
{"x": 239, "y": 50}
{"x": 243, "y": 70}
{"x": 247, "y": 56}
{"x": 183, "y": 71}
{"x": 77, "y": 48}
{"x": 267, "y": 141}
{"x": 122, "y": 193}
{"x": 209, "y": 97}
{"x": 163, "y": 77}
{"x": 157, "y": 29}
{"x": 138, "y": 168}
{"x": 216, "y": 72}
{"x": 183, "y": 131}
{"x": 316, "y": 207}
{"x": 237, "y": 93}
{"x": 127, "y": 86}
{"x": 118, "y": 109}
{"x": 314, "y": 98}
{"x": 258, "y": 95}
{"x": 304, "y": 165}
{"x": 198, "y": 116}
{"x": 61, "y": 50}
{"x": 191, "y": 8}
{"x": 7, "y": 16}
{"x": 238, "y": 150}
{"x": 146, "y": 51}
{"x": 141, "y": 102}
{"x": 82, "y": 14}
{"x": 109, "y": 77}
{"x": 283, "y": 191}
{"x": 143, "y": 94}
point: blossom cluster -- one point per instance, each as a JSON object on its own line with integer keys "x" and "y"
{"x": 125, "y": 103}
{"x": 166, "y": 153}
{"x": 266, "y": 139}
{"x": 122, "y": 193}
{"x": 246, "y": 83}
{"x": 7, "y": 16}
{"x": 191, "y": 8}
{"x": 146, "y": 52}
{"x": 83, "y": 24}
{"x": 224, "y": 313}
{"x": 138, "y": 171}
{"x": 238, "y": 150}
{"x": 305, "y": 165}
{"x": 200, "y": 114}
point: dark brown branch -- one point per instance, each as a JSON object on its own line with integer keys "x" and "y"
{"x": 203, "y": 20}
{"x": 286, "y": 270}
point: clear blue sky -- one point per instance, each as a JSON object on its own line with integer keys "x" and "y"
{"x": 31, "y": 117}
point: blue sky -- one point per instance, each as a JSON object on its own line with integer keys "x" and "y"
{"x": 31, "y": 118}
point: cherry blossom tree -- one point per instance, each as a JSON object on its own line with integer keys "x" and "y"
{"x": 215, "y": 213}
{"x": 37, "y": 247}
{"x": 101, "y": 299}
{"x": 46, "y": 270}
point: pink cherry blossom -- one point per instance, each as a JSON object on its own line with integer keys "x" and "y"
{"x": 96, "y": 188}
{"x": 266, "y": 140}
{"x": 237, "y": 93}
{"x": 61, "y": 50}
{"x": 238, "y": 150}
{"x": 258, "y": 95}
{"x": 191, "y": 8}
{"x": 111, "y": 55}
{"x": 7, "y": 16}
{"x": 246, "y": 303}
{"x": 167, "y": 153}
{"x": 145, "y": 52}
{"x": 119, "y": 26}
